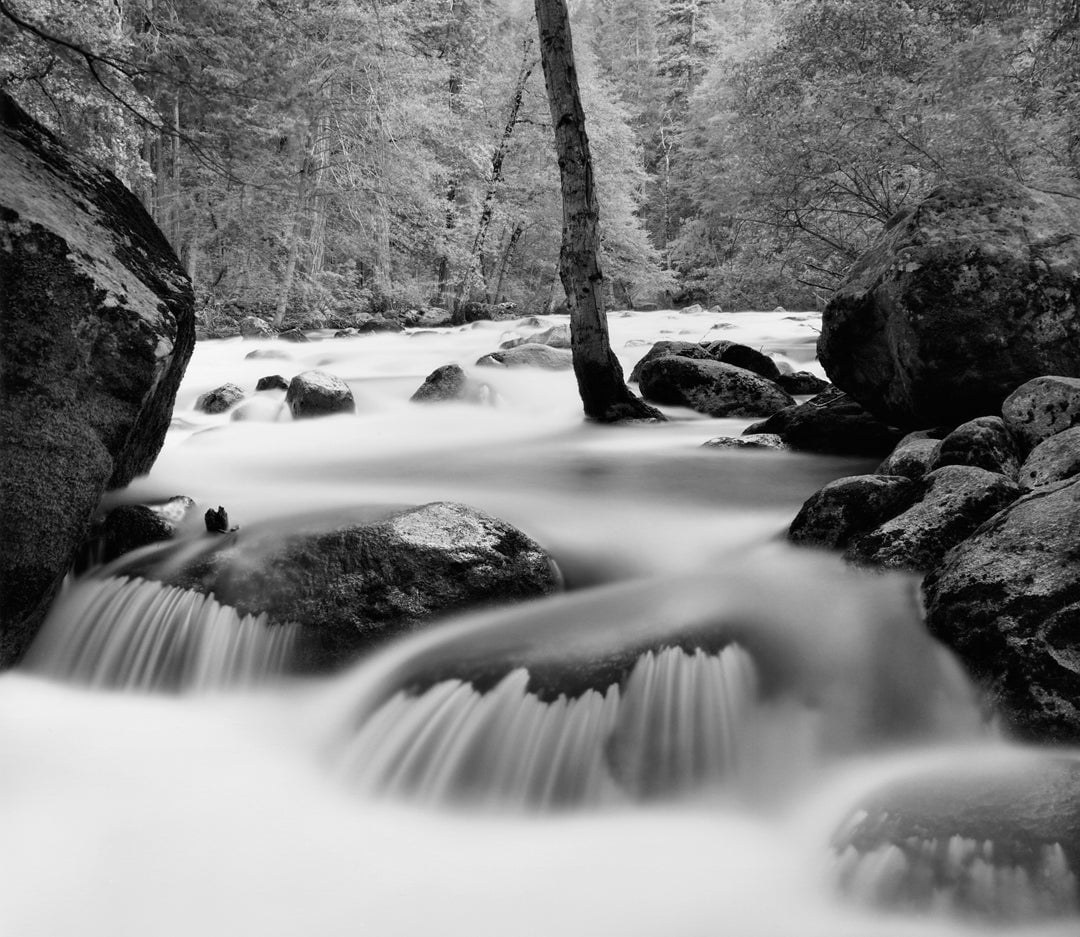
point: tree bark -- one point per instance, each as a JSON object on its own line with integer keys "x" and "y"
{"x": 603, "y": 391}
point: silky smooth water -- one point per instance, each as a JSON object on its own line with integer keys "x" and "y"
{"x": 667, "y": 748}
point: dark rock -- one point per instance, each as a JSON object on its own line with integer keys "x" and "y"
{"x": 962, "y": 298}
{"x": 217, "y": 521}
{"x": 830, "y": 422}
{"x": 743, "y": 356}
{"x": 984, "y": 442}
{"x": 451, "y": 383}
{"x": 1007, "y": 600}
{"x": 710, "y": 387}
{"x": 96, "y": 329}
{"x": 350, "y": 587}
{"x": 293, "y": 335}
{"x": 666, "y": 348}
{"x": 802, "y": 382}
{"x": 558, "y": 336}
{"x": 379, "y": 325}
{"x": 254, "y": 327}
{"x": 479, "y": 312}
{"x": 912, "y": 456}
{"x": 530, "y": 356}
{"x": 995, "y": 835}
{"x": 434, "y": 317}
{"x": 1041, "y": 408}
{"x": 346, "y": 333}
{"x": 759, "y": 441}
{"x": 131, "y": 526}
{"x": 952, "y": 502}
{"x": 1052, "y": 460}
{"x": 272, "y": 382}
{"x": 219, "y": 399}
{"x": 273, "y": 353}
{"x": 316, "y": 393}
{"x": 848, "y": 507}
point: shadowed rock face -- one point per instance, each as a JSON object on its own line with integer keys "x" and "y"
{"x": 962, "y": 299}
{"x": 96, "y": 328}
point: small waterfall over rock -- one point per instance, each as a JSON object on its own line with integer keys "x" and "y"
{"x": 132, "y": 634}
{"x": 677, "y": 722}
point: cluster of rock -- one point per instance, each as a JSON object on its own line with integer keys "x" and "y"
{"x": 719, "y": 378}
{"x": 962, "y": 326}
{"x": 309, "y": 394}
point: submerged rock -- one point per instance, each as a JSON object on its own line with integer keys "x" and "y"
{"x": 962, "y": 299}
{"x": 97, "y": 327}
{"x": 529, "y": 356}
{"x": 293, "y": 335}
{"x": 1007, "y": 600}
{"x": 710, "y": 387}
{"x": 316, "y": 393}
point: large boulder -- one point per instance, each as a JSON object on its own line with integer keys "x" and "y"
{"x": 1007, "y": 600}
{"x": 850, "y": 506}
{"x": 96, "y": 327}
{"x": 984, "y": 442}
{"x": 1053, "y": 460}
{"x": 1041, "y": 408}
{"x": 743, "y": 356}
{"x": 830, "y": 422}
{"x": 962, "y": 299}
{"x": 350, "y": 587}
{"x": 710, "y": 387}
{"x": 316, "y": 393}
{"x": 667, "y": 349}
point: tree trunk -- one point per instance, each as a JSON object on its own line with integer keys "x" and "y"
{"x": 504, "y": 264}
{"x": 603, "y": 391}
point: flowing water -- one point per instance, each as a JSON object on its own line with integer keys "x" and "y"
{"x": 682, "y": 743}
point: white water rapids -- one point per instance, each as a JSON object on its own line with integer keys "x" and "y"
{"x": 695, "y": 794}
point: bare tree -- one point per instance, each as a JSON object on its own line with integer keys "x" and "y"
{"x": 604, "y": 393}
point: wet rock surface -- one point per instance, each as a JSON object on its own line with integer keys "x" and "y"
{"x": 850, "y": 506}
{"x": 710, "y": 387}
{"x": 316, "y": 393}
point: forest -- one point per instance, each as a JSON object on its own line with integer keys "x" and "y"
{"x": 308, "y": 159}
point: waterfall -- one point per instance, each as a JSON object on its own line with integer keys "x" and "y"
{"x": 678, "y": 722}
{"x": 133, "y": 634}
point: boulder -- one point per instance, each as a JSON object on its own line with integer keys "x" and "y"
{"x": 912, "y": 456}
{"x": 379, "y": 325}
{"x": 984, "y": 442}
{"x": 798, "y": 383}
{"x": 219, "y": 399}
{"x": 352, "y": 586}
{"x": 962, "y": 298}
{"x": 479, "y": 312}
{"x": 272, "y": 382}
{"x": 830, "y": 422}
{"x": 350, "y": 332}
{"x": 666, "y": 348}
{"x": 256, "y": 327}
{"x": 848, "y": 507}
{"x": 316, "y": 393}
{"x": 758, "y": 441}
{"x": 743, "y": 356}
{"x": 710, "y": 387}
{"x": 1052, "y": 460}
{"x": 1041, "y": 408}
{"x": 530, "y": 356}
{"x": 293, "y": 335}
{"x": 1007, "y": 600}
{"x": 952, "y": 502}
{"x": 558, "y": 336}
{"x": 97, "y": 327}
{"x": 450, "y": 382}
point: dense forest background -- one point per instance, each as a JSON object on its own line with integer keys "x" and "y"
{"x": 311, "y": 158}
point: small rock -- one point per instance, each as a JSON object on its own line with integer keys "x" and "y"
{"x": 1052, "y": 460}
{"x": 274, "y": 353}
{"x": 848, "y": 507}
{"x": 219, "y": 399}
{"x": 1041, "y": 408}
{"x": 451, "y": 383}
{"x": 293, "y": 335}
{"x": 255, "y": 327}
{"x": 911, "y": 457}
{"x": 316, "y": 393}
{"x": 272, "y": 382}
{"x": 346, "y": 333}
{"x": 379, "y": 325}
{"x": 558, "y": 336}
{"x": 757, "y": 441}
{"x": 217, "y": 522}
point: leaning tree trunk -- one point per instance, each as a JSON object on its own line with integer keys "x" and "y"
{"x": 604, "y": 393}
